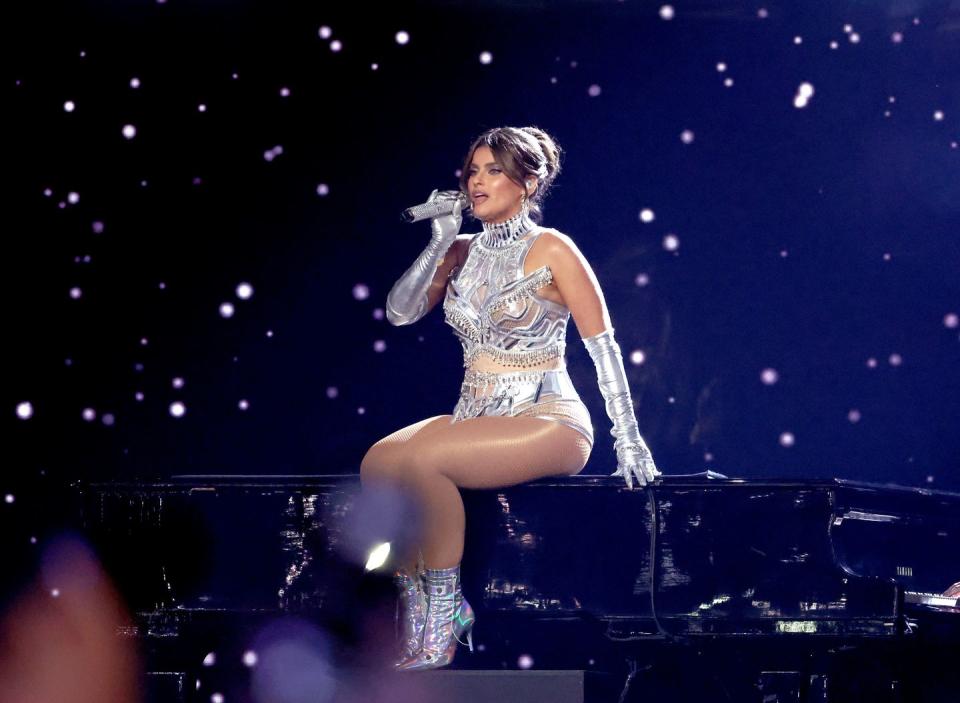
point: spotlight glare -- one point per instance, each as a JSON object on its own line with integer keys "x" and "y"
{"x": 378, "y": 556}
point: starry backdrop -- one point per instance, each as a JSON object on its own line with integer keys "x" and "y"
{"x": 202, "y": 226}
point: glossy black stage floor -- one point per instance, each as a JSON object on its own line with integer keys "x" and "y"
{"x": 701, "y": 588}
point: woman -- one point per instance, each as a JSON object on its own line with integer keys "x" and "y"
{"x": 508, "y": 294}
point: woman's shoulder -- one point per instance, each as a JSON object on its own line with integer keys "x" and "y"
{"x": 553, "y": 241}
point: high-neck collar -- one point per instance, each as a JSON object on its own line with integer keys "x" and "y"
{"x": 507, "y": 232}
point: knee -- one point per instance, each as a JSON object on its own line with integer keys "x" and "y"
{"x": 378, "y": 465}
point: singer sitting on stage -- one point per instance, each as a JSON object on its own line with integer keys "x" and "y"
{"x": 508, "y": 293}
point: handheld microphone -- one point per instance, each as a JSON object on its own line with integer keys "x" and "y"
{"x": 442, "y": 205}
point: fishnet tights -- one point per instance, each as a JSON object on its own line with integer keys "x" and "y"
{"x": 434, "y": 458}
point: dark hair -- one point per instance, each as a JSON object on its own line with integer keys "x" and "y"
{"x": 521, "y": 152}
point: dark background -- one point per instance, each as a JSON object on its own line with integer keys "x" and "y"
{"x": 811, "y": 240}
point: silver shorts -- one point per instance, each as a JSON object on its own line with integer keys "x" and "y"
{"x": 549, "y": 395}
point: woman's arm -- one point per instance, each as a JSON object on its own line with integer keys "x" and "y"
{"x": 581, "y": 293}
{"x": 421, "y": 285}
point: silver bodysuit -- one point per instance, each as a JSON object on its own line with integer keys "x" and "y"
{"x": 496, "y": 313}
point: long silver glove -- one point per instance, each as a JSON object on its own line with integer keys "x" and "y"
{"x": 407, "y": 300}
{"x": 634, "y": 460}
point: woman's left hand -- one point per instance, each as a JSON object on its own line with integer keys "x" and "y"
{"x": 634, "y": 461}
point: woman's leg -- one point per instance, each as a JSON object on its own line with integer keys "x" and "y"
{"x": 482, "y": 452}
{"x": 383, "y": 463}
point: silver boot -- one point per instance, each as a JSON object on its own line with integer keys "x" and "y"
{"x": 411, "y": 614}
{"x": 449, "y": 618}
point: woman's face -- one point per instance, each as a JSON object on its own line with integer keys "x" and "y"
{"x": 494, "y": 196}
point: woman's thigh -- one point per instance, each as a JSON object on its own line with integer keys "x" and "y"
{"x": 493, "y": 452}
{"x": 386, "y": 455}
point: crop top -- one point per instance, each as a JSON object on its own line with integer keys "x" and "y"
{"x": 495, "y": 311}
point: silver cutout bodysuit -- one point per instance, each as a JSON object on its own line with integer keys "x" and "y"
{"x": 496, "y": 313}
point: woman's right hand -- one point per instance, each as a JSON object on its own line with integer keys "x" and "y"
{"x": 446, "y": 227}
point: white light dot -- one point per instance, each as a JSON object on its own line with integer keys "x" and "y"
{"x": 721, "y": 67}
{"x": 374, "y": 66}
{"x": 667, "y": 12}
{"x": 361, "y": 291}
{"x": 323, "y": 190}
{"x": 402, "y": 37}
{"x": 553, "y": 80}
{"x": 916, "y": 21}
{"x": 686, "y": 136}
{"x": 642, "y": 279}
{"x": 671, "y": 242}
{"x": 769, "y": 376}
{"x": 637, "y": 357}
{"x": 55, "y": 592}
{"x": 177, "y": 409}
{"x": 762, "y": 13}
{"x": 798, "y": 39}
{"x": 378, "y": 313}
{"x": 805, "y": 89}
{"x": 332, "y": 392}
{"x": 486, "y": 57}
{"x": 97, "y": 227}
{"x": 33, "y": 540}
{"x": 379, "y": 346}
{"x": 854, "y": 38}
{"x": 244, "y": 291}
{"x": 895, "y": 359}
{"x": 951, "y": 320}
{"x": 25, "y": 410}
{"x": 325, "y": 32}
{"x": 708, "y": 456}
{"x": 244, "y": 404}
{"x": 336, "y": 45}
{"x": 784, "y": 253}
{"x": 9, "y": 498}
{"x": 47, "y": 192}
{"x": 73, "y": 197}
{"x": 226, "y": 310}
{"x": 270, "y": 334}
{"x": 896, "y": 37}
{"x": 871, "y": 363}
{"x": 938, "y": 115}
{"x": 201, "y": 108}
{"x": 647, "y": 216}
{"x": 594, "y": 90}
{"x": 929, "y": 479}
{"x": 361, "y": 411}
{"x": 249, "y": 658}
{"x": 847, "y": 28}
{"x": 284, "y": 92}
{"x": 787, "y": 439}
{"x": 89, "y": 414}
{"x": 834, "y": 45}
{"x": 728, "y": 82}
{"x": 138, "y": 396}
{"x": 134, "y": 82}
{"x": 892, "y": 99}
{"x": 108, "y": 419}
{"x": 69, "y": 106}
{"x": 524, "y": 661}
{"x": 854, "y": 415}
{"x": 177, "y": 382}
{"x": 887, "y": 256}
{"x": 216, "y": 698}
{"x": 129, "y": 131}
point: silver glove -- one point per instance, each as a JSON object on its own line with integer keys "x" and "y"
{"x": 407, "y": 300}
{"x": 634, "y": 460}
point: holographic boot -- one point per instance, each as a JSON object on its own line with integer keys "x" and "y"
{"x": 411, "y": 614}
{"x": 449, "y": 617}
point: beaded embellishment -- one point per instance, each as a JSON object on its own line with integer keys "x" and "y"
{"x": 543, "y": 276}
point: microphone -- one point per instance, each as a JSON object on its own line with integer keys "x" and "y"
{"x": 442, "y": 205}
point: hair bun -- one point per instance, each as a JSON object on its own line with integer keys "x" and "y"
{"x": 551, "y": 150}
